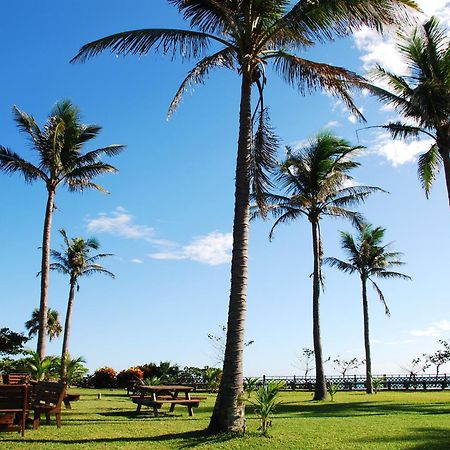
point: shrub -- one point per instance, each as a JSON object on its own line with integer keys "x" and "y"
{"x": 104, "y": 378}
{"x": 332, "y": 389}
{"x": 131, "y": 374}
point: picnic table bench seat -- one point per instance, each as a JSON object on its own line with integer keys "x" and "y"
{"x": 70, "y": 398}
{"x": 48, "y": 397}
{"x": 14, "y": 406}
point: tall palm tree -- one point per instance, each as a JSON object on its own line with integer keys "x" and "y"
{"x": 246, "y": 36}
{"x": 368, "y": 257}
{"x": 54, "y": 328}
{"x": 423, "y": 97}
{"x": 317, "y": 183}
{"x": 59, "y": 148}
{"x": 75, "y": 261}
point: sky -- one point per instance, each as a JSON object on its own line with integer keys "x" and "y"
{"x": 168, "y": 216}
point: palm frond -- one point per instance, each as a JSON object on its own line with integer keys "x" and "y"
{"x": 381, "y": 297}
{"x": 188, "y": 44}
{"x": 263, "y": 160}
{"x": 339, "y": 264}
{"x": 288, "y": 216}
{"x": 309, "y": 76}
{"x": 390, "y": 274}
{"x": 11, "y": 162}
{"x": 223, "y": 58}
{"x": 428, "y": 166}
{"x": 94, "y": 155}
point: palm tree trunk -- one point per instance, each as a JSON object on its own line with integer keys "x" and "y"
{"x": 229, "y": 414}
{"x": 65, "y": 345}
{"x": 445, "y": 154}
{"x": 320, "y": 391}
{"x": 369, "y": 386}
{"x": 43, "y": 305}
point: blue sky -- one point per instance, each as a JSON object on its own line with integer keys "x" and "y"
{"x": 169, "y": 215}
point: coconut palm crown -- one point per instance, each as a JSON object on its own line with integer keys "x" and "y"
{"x": 317, "y": 183}
{"x": 422, "y": 97}
{"x": 58, "y": 145}
{"x": 245, "y": 36}
{"x": 54, "y": 328}
{"x": 75, "y": 261}
{"x": 368, "y": 257}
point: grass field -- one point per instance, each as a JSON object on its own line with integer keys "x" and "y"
{"x": 388, "y": 420}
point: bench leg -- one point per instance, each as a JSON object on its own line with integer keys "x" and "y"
{"x": 172, "y": 408}
{"x": 58, "y": 420}
{"x": 36, "y": 420}
{"x": 139, "y": 406}
{"x": 191, "y": 411}
{"x": 67, "y": 404}
{"x": 47, "y": 418}
{"x": 155, "y": 411}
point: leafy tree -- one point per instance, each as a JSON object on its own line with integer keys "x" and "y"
{"x": 11, "y": 343}
{"x": 76, "y": 261}
{"x": 415, "y": 366}
{"x": 306, "y": 360}
{"x": 314, "y": 180}
{"x": 369, "y": 258}
{"x": 104, "y": 377}
{"x": 440, "y": 357}
{"x": 58, "y": 146}
{"x": 54, "y": 328}
{"x": 247, "y": 35}
{"x": 345, "y": 365}
{"x": 422, "y": 97}
{"x": 41, "y": 368}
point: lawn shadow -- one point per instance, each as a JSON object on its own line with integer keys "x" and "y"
{"x": 351, "y": 409}
{"x": 418, "y": 439}
{"x": 189, "y": 439}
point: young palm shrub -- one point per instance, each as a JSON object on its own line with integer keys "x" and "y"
{"x": 75, "y": 261}
{"x": 265, "y": 403}
{"x": 61, "y": 161}
{"x": 251, "y": 384}
{"x": 422, "y": 97}
{"x": 245, "y": 36}
{"x": 75, "y": 369}
{"x": 368, "y": 257}
{"x": 41, "y": 369}
{"x": 332, "y": 389}
{"x": 314, "y": 180}
{"x": 212, "y": 376}
{"x": 54, "y": 328}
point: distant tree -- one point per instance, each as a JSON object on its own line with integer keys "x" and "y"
{"x": 76, "y": 261}
{"x": 54, "y": 328}
{"x": 369, "y": 258}
{"x": 422, "y": 97}
{"x": 11, "y": 343}
{"x": 315, "y": 181}
{"x": 440, "y": 357}
{"x": 58, "y": 146}
{"x": 345, "y": 365}
{"x": 218, "y": 342}
{"x": 415, "y": 366}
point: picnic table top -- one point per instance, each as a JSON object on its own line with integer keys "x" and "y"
{"x": 165, "y": 387}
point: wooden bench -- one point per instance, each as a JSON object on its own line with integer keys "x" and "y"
{"x": 48, "y": 397}
{"x": 70, "y": 398}
{"x": 14, "y": 401}
{"x": 17, "y": 378}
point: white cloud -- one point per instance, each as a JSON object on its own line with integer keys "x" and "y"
{"x": 382, "y": 49}
{"x": 399, "y": 152}
{"x": 332, "y": 124}
{"x": 212, "y": 249}
{"x": 137, "y": 261}
{"x": 352, "y": 118}
{"x": 120, "y": 223}
{"x": 436, "y": 329}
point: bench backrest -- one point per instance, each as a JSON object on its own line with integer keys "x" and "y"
{"x": 14, "y": 397}
{"x": 17, "y": 378}
{"x": 49, "y": 392}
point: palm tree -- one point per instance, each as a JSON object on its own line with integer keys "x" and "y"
{"x": 369, "y": 258}
{"x": 423, "y": 97}
{"x": 58, "y": 145}
{"x": 246, "y": 36}
{"x": 314, "y": 180}
{"x": 75, "y": 261}
{"x": 54, "y": 328}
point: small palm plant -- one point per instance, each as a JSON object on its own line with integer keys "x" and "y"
{"x": 75, "y": 261}
{"x": 41, "y": 369}
{"x": 332, "y": 389}
{"x": 368, "y": 258}
{"x": 265, "y": 403}
{"x": 251, "y": 384}
{"x": 75, "y": 369}
{"x": 212, "y": 376}
{"x": 152, "y": 381}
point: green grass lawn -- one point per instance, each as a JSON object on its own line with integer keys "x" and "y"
{"x": 388, "y": 420}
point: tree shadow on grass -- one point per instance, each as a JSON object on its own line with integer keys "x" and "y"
{"x": 188, "y": 439}
{"x": 417, "y": 439}
{"x": 352, "y": 409}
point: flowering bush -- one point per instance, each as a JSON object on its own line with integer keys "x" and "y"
{"x": 104, "y": 378}
{"x": 131, "y": 374}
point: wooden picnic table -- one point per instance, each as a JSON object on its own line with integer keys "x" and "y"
{"x": 156, "y": 396}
